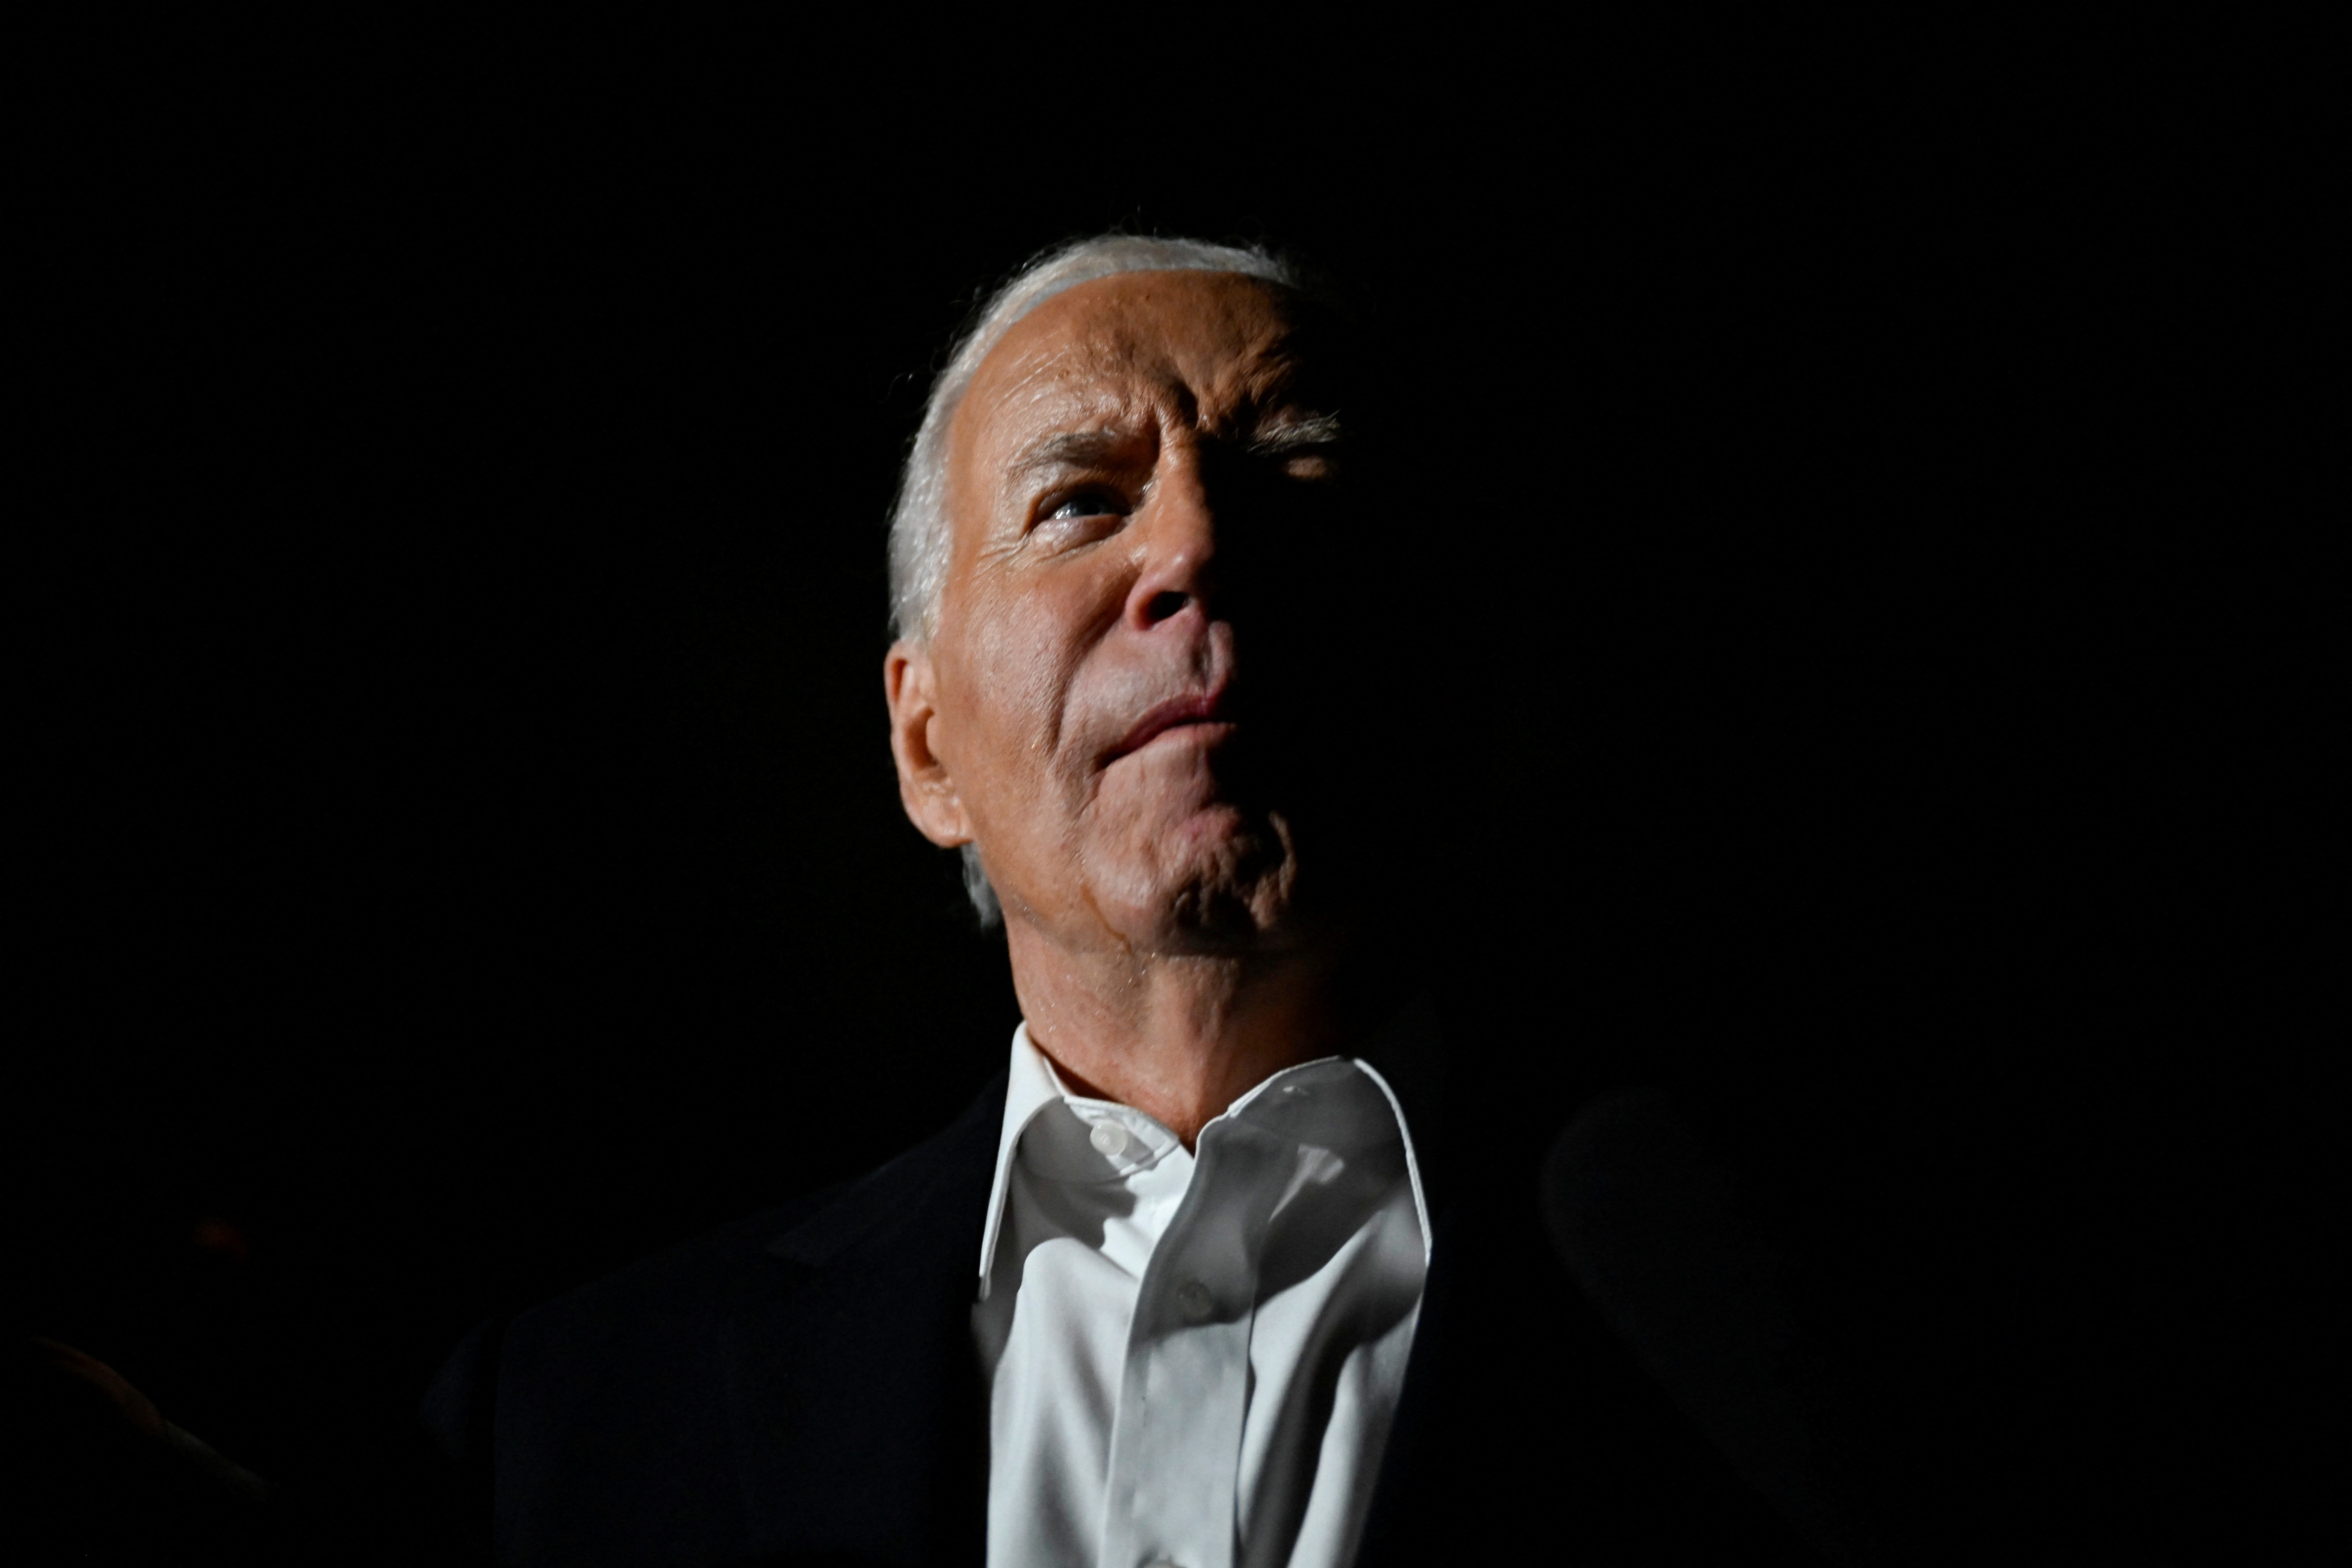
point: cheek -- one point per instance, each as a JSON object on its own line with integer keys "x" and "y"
{"x": 1009, "y": 688}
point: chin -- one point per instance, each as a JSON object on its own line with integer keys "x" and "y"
{"x": 1233, "y": 889}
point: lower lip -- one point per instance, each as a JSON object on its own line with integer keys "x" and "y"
{"x": 1200, "y": 733}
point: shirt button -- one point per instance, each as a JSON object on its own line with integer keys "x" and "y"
{"x": 1193, "y": 1300}
{"x": 1108, "y": 1137}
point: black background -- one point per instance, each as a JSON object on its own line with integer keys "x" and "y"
{"x": 460, "y": 853}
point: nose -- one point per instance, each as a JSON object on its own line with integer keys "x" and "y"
{"x": 1179, "y": 539}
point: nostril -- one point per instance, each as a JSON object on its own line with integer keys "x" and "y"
{"x": 1164, "y": 605}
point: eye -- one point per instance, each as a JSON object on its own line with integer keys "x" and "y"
{"x": 1092, "y": 501}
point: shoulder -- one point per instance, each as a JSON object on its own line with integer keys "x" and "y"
{"x": 663, "y": 1304}
{"x": 668, "y": 1291}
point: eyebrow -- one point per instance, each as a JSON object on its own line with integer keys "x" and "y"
{"x": 1315, "y": 430}
{"x": 1076, "y": 449}
{"x": 1101, "y": 449}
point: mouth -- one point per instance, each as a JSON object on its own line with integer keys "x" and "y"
{"x": 1205, "y": 716}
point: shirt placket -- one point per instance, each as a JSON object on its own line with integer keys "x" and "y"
{"x": 1176, "y": 1439}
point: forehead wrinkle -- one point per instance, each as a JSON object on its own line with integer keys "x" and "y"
{"x": 1235, "y": 404}
{"x": 1142, "y": 365}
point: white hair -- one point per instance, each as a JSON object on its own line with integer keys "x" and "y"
{"x": 919, "y": 531}
{"x": 919, "y": 536}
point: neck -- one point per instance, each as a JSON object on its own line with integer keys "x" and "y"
{"x": 1180, "y": 1037}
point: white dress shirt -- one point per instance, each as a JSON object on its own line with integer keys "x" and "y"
{"x": 1194, "y": 1358}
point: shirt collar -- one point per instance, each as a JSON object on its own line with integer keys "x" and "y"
{"x": 1401, "y": 1058}
{"x": 1030, "y": 1088}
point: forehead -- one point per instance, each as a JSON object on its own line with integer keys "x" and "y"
{"x": 1210, "y": 343}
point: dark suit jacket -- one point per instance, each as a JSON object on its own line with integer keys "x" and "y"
{"x": 803, "y": 1386}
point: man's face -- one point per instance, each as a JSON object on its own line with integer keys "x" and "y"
{"x": 1131, "y": 688}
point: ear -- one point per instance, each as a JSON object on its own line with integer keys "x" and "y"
{"x": 924, "y": 787}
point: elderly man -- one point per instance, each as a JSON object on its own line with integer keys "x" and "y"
{"x": 1219, "y": 1272}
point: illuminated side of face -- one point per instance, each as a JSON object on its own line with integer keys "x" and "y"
{"x": 1126, "y": 700}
